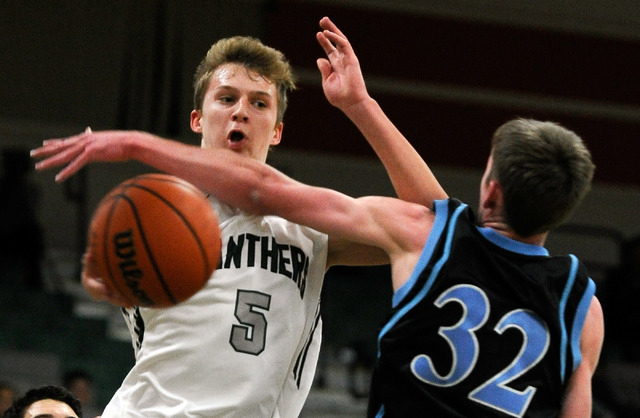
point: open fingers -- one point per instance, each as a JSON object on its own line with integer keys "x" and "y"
{"x": 331, "y": 38}
{"x": 337, "y": 41}
{"x": 335, "y": 35}
{"x": 327, "y": 24}
{"x": 57, "y": 145}
{"x": 57, "y": 157}
{"x": 324, "y": 66}
{"x": 73, "y": 167}
{"x": 325, "y": 43}
{"x": 58, "y": 152}
{"x": 53, "y": 146}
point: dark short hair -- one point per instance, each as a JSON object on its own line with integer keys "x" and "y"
{"x": 39, "y": 393}
{"x": 544, "y": 169}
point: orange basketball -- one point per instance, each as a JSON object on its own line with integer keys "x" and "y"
{"x": 156, "y": 239}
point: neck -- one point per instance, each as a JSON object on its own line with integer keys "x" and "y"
{"x": 504, "y": 229}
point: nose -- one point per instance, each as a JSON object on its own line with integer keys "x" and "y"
{"x": 240, "y": 112}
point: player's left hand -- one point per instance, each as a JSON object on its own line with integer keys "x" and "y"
{"x": 342, "y": 79}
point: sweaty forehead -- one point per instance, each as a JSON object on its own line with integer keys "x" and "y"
{"x": 236, "y": 75}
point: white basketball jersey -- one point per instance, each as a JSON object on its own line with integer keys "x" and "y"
{"x": 247, "y": 344}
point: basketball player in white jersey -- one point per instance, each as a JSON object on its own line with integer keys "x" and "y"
{"x": 247, "y": 344}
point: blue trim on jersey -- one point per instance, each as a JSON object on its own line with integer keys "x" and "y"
{"x": 562, "y": 307}
{"x": 578, "y": 322}
{"x": 441, "y": 209}
{"x": 434, "y": 273}
{"x": 510, "y": 244}
{"x": 380, "y": 413}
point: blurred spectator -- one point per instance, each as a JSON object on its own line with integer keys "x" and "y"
{"x": 81, "y": 384}
{"x": 7, "y": 396}
{"x": 46, "y": 401}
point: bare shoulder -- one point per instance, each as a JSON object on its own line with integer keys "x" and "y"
{"x": 592, "y": 336}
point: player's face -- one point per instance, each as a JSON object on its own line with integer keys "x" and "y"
{"x": 49, "y": 408}
{"x": 239, "y": 113}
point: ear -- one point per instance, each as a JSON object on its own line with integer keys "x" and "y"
{"x": 492, "y": 196}
{"x": 196, "y": 118}
{"x": 277, "y": 134}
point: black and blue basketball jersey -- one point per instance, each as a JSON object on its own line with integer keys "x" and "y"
{"x": 485, "y": 327}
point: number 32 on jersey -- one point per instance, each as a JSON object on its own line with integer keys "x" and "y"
{"x": 495, "y": 392}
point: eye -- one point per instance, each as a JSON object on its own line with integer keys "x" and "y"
{"x": 260, "y": 103}
{"x": 226, "y": 99}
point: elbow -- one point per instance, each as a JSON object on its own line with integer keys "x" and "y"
{"x": 255, "y": 201}
{"x": 259, "y": 195}
{"x": 256, "y": 191}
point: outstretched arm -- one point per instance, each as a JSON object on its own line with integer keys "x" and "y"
{"x": 259, "y": 189}
{"x": 345, "y": 88}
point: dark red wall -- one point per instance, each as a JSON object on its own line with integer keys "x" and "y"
{"x": 416, "y": 48}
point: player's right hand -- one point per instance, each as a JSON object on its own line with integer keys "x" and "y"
{"x": 97, "y": 287}
{"x": 74, "y": 152}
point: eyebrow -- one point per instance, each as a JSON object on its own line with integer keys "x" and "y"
{"x": 51, "y": 416}
{"x": 235, "y": 90}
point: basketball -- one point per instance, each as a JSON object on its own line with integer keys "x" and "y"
{"x": 155, "y": 239}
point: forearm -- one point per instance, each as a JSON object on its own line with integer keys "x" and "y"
{"x": 231, "y": 178}
{"x": 410, "y": 175}
{"x": 189, "y": 162}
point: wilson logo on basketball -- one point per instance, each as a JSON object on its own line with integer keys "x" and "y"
{"x": 131, "y": 273}
{"x": 155, "y": 240}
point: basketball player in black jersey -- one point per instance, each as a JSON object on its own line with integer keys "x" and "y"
{"x": 484, "y": 321}
{"x": 489, "y": 324}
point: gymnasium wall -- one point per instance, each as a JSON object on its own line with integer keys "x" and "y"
{"x": 447, "y": 72}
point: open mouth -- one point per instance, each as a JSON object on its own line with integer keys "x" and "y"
{"x": 236, "y": 136}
